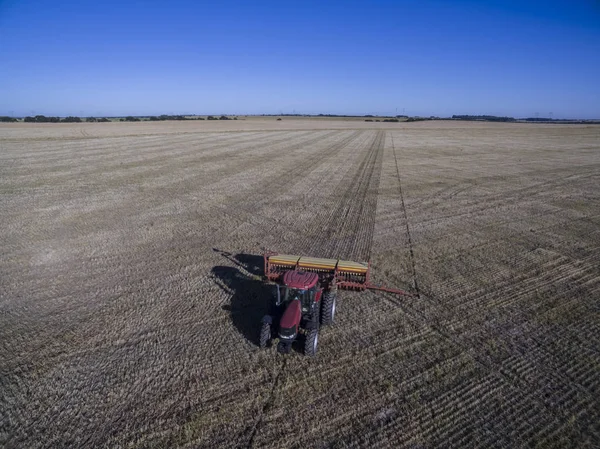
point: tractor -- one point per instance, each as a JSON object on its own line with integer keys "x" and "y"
{"x": 305, "y": 297}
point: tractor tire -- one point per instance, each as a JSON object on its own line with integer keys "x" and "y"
{"x": 265, "y": 335}
{"x": 311, "y": 341}
{"x": 328, "y": 308}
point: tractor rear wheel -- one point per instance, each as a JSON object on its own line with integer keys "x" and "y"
{"x": 311, "y": 341}
{"x": 265, "y": 335}
{"x": 328, "y": 308}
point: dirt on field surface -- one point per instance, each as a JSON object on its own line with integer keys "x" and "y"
{"x": 130, "y": 297}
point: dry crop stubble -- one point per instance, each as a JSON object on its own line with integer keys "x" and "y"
{"x": 121, "y": 325}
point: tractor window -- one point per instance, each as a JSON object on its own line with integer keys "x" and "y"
{"x": 308, "y": 299}
{"x": 294, "y": 293}
{"x": 277, "y": 293}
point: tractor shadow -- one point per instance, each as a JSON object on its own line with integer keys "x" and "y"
{"x": 250, "y": 300}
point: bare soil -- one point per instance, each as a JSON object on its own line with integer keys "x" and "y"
{"x": 130, "y": 294}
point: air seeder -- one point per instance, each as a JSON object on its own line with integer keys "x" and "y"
{"x": 305, "y": 296}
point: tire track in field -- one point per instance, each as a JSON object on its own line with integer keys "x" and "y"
{"x": 238, "y": 207}
{"x": 513, "y": 196}
{"x": 155, "y": 167}
{"x": 410, "y": 243}
{"x": 196, "y": 149}
{"x": 263, "y": 159}
{"x": 347, "y": 230}
{"x": 505, "y": 370}
{"x": 267, "y": 404}
{"x": 104, "y": 149}
{"x": 185, "y": 185}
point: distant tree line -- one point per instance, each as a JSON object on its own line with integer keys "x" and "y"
{"x": 129, "y": 118}
{"x": 538, "y": 119}
{"x": 487, "y": 118}
{"x": 370, "y": 118}
{"x": 155, "y": 118}
{"x": 408, "y": 119}
{"x": 223, "y": 117}
{"x": 69, "y": 119}
{"x": 44, "y": 119}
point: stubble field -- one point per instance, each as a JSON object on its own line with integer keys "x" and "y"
{"x": 130, "y": 293}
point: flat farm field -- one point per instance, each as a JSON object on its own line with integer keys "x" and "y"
{"x": 130, "y": 291}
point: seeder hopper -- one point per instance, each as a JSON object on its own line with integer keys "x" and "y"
{"x": 305, "y": 296}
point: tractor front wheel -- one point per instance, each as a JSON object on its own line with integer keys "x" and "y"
{"x": 311, "y": 342}
{"x": 328, "y": 308}
{"x": 265, "y": 335}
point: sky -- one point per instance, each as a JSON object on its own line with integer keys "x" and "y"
{"x": 419, "y": 57}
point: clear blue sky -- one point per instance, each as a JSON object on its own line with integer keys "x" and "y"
{"x": 107, "y": 57}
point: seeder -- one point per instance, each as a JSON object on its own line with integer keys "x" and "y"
{"x": 305, "y": 296}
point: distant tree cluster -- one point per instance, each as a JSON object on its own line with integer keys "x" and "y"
{"x": 223, "y": 117}
{"x": 41, "y": 119}
{"x": 389, "y": 120}
{"x": 155, "y": 118}
{"x": 69, "y": 119}
{"x": 487, "y": 118}
{"x": 336, "y": 115}
{"x": 44, "y": 119}
{"x": 6, "y": 119}
{"x": 538, "y": 119}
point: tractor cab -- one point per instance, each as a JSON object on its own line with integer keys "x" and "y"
{"x": 298, "y": 299}
{"x": 300, "y": 286}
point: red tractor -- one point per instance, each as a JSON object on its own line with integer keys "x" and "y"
{"x": 305, "y": 296}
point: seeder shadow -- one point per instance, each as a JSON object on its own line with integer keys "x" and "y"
{"x": 252, "y": 263}
{"x": 250, "y": 301}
